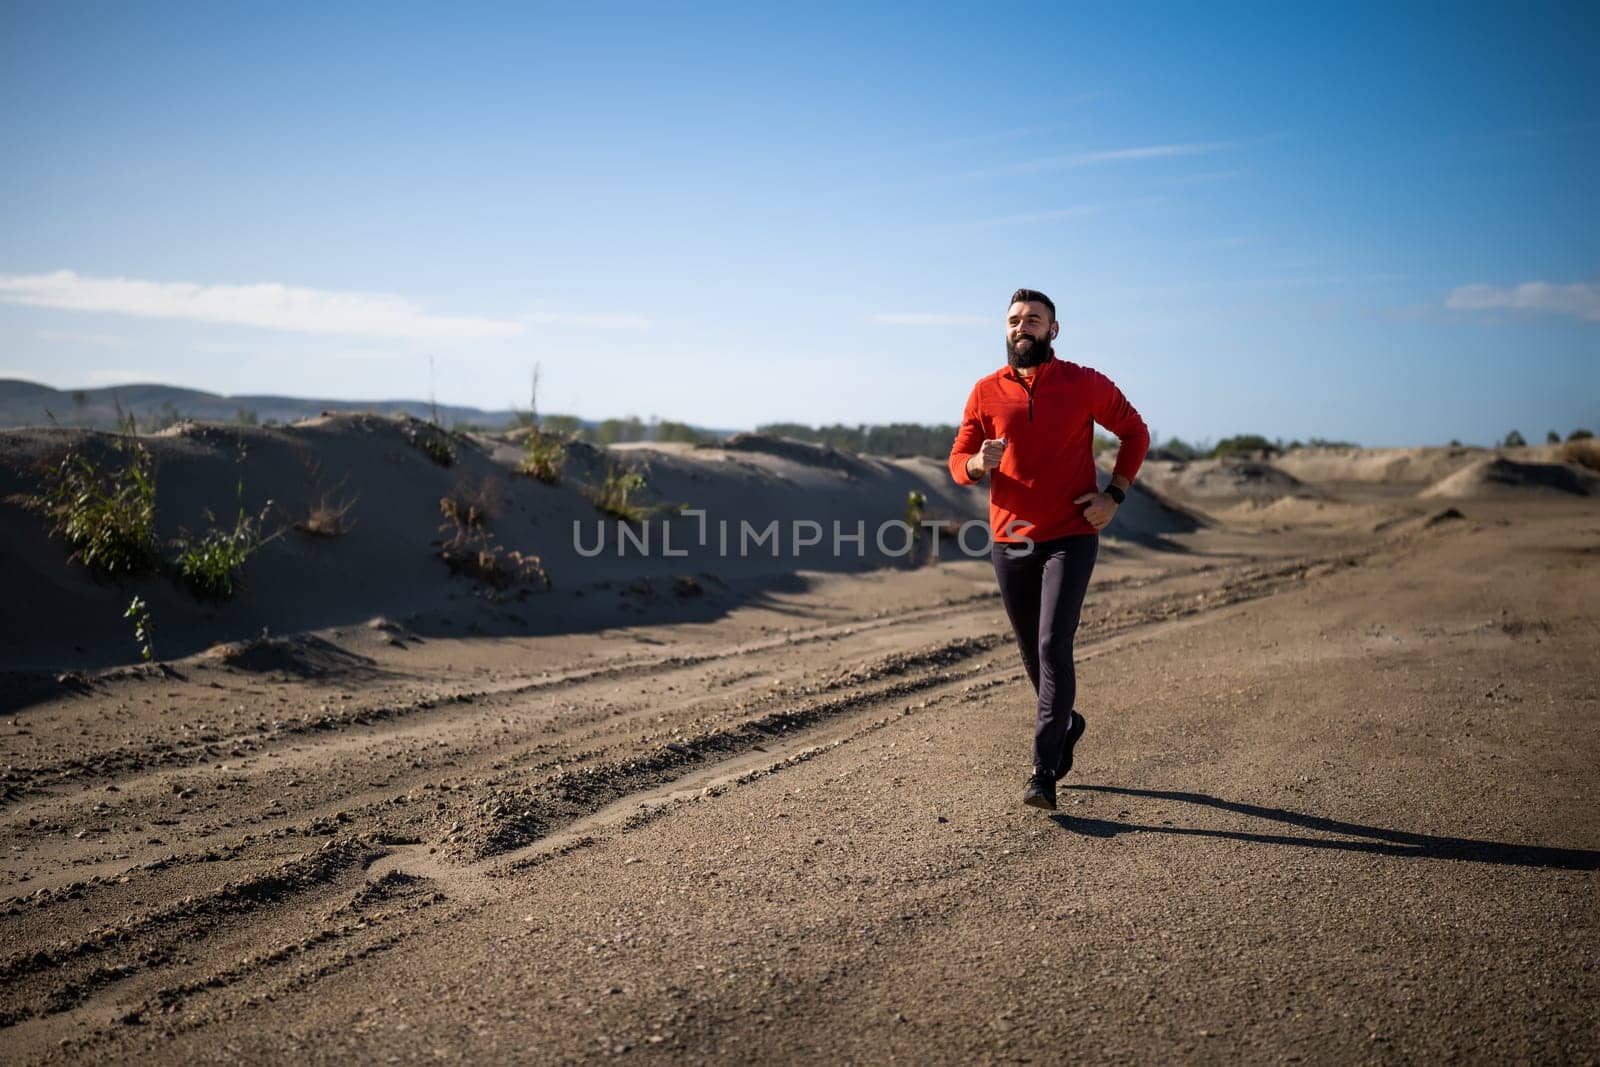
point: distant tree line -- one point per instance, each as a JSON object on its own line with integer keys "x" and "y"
{"x": 622, "y": 431}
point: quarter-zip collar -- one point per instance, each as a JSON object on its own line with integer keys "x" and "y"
{"x": 1031, "y": 385}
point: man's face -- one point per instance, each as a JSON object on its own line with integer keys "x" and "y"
{"x": 1029, "y": 331}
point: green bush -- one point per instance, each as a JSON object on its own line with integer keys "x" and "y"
{"x": 432, "y": 441}
{"x": 542, "y": 456}
{"x": 1181, "y": 449}
{"x": 1245, "y": 442}
{"x": 612, "y": 496}
{"x": 211, "y": 564}
{"x": 106, "y": 514}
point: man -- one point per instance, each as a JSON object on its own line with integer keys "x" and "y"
{"x": 1029, "y": 427}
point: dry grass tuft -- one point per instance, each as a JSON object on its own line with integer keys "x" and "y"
{"x": 468, "y": 509}
{"x": 493, "y": 565}
{"x": 327, "y": 519}
{"x": 471, "y": 505}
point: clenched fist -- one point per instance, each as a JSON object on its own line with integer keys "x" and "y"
{"x": 989, "y": 453}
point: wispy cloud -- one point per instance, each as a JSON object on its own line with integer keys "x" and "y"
{"x": 1201, "y": 178}
{"x": 934, "y": 319}
{"x": 73, "y": 337}
{"x": 269, "y": 305}
{"x": 1091, "y": 159}
{"x": 1020, "y": 132}
{"x": 1580, "y": 299}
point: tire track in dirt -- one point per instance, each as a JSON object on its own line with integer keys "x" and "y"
{"x": 72, "y": 970}
{"x": 529, "y": 815}
{"x": 17, "y": 782}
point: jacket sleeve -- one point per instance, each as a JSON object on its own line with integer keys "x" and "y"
{"x": 1112, "y": 410}
{"x": 969, "y": 436}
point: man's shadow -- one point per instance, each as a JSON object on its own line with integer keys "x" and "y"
{"x": 1380, "y": 842}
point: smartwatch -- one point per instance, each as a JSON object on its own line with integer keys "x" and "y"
{"x": 1116, "y": 494}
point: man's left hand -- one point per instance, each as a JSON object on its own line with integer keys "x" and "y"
{"x": 1099, "y": 512}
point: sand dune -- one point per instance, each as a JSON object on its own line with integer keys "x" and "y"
{"x": 750, "y": 514}
{"x": 1385, "y": 466}
{"x": 1220, "y": 481}
{"x": 1507, "y": 478}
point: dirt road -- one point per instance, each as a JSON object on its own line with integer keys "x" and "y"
{"x": 1337, "y": 801}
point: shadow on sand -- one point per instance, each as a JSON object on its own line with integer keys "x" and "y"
{"x": 1380, "y": 842}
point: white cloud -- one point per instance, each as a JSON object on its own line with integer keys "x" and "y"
{"x": 1159, "y": 151}
{"x": 268, "y": 305}
{"x": 1580, "y": 299}
{"x": 918, "y": 319}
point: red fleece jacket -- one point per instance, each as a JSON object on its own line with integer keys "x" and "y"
{"x": 1049, "y": 457}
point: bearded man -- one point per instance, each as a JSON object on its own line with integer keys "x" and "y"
{"x": 1029, "y": 428}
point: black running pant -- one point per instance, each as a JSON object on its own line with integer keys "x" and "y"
{"x": 1043, "y": 594}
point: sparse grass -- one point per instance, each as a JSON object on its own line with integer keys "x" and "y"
{"x": 432, "y": 441}
{"x": 1585, "y": 451}
{"x": 143, "y": 629}
{"x": 106, "y": 513}
{"x": 611, "y": 498}
{"x": 542, "y": 456}
{"x": 211, "y": 564}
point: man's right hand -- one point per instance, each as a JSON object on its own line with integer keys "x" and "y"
{"x": 987, "y": 458}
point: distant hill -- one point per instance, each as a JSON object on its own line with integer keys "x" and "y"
{"x": 30, "y": 404}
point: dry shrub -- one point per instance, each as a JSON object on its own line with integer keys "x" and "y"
{"x": 471, "y": 505}
{"x": 1585, "y": 452}
{"x": 492, "y": 564}
{"x": 327, "y": 519}
{"x": 468, "y": 508}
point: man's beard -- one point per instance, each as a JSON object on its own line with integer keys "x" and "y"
{"x": 1037, "y": 352}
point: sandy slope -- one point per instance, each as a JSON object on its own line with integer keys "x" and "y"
{"x": 1509, "y": 479}
{"x": 745, "y": 517}
{"x": 1337, "y": 801}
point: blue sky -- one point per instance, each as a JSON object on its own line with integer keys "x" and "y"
{"x": 1364, "y": 222}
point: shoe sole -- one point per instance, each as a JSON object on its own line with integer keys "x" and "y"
{"x": 1039, "y": 802}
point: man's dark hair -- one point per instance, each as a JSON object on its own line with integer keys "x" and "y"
{"x": 1034, "y": 296}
